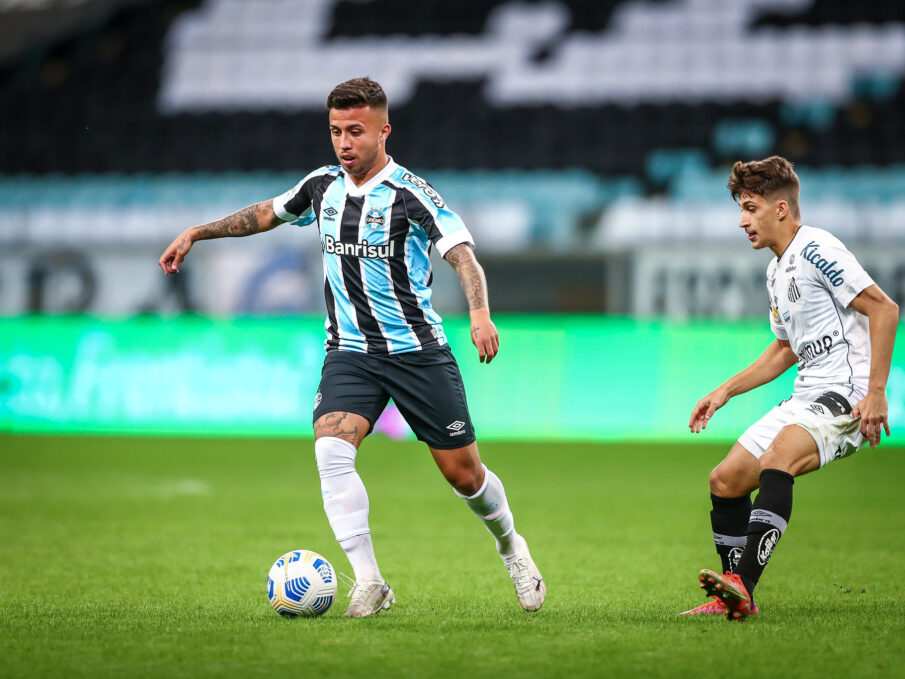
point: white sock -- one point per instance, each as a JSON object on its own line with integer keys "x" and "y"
{"x": 346, "y": 504}
{"x": 491, "y": 506}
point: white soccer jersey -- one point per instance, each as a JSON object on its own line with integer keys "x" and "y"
{"x": 810, "y": 289}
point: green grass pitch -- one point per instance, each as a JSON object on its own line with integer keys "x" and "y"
{"x": 148, "y": 557}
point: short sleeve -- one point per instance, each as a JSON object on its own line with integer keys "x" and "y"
{"x": 290, "y": 206}
{"x": 295, "y": 204}
{"x": 428, "y": 209}
{"x": 836, "y": 269}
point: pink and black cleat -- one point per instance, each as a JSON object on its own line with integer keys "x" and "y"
{"x": 730, "y": 591}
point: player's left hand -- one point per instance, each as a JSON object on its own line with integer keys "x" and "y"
{"x": 872, "y": 409}
{"x": 484, "y": 335}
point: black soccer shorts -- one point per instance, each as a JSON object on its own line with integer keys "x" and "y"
{"x": 425, "y": 385}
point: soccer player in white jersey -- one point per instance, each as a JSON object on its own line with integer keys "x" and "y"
{"x": 377, "y": 223}
{"x": 830, "y": 318}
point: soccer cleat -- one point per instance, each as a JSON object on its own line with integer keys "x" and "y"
{"x": 730, "y": 589}
{"x": 714, "y": 607}
{"x": 369, "y": 598}
{"x": 530, "y": 587}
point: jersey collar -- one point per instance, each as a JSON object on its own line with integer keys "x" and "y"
{"x": 789, "y": 246}
{"x": 368, "y": 186}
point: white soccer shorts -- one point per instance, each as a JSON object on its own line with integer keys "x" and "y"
{"x": 821, "y": 413}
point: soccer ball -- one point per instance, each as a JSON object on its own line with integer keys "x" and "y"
{"x": 301, "y": 583}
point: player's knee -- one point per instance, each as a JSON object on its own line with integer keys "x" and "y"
{"x": 723, "y": 484}
{"x": 774, "y": 459}
{"x": 464, "y": 478}
{"x": 334, "y": 456}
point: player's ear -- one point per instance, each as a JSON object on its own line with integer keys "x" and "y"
{"x": 782, "y": 209}
{"x": 385, "y": 132}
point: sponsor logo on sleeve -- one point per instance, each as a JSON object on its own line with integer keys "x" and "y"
{"x": 812, "y": 254}
{"x": 426, "y": 188}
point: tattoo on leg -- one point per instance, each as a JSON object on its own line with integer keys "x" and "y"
{"x": 337, "y": 425}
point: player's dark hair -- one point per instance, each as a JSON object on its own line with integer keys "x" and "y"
{"x": 769, "y": 178}
{"x": 357, "y": 93}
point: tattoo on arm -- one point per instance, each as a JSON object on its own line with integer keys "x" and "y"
{"x": 470, "y": 273}
{"x": 248, "y": 220}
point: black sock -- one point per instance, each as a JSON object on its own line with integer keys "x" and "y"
{"x": 768, "y": 522}
{"x": 729, "y": 519}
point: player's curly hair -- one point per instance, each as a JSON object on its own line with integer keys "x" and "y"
{"x": 356, "y": 93}
{"x": 771, "y": 177}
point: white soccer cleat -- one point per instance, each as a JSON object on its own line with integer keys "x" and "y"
{"x": 369, "y": 598}
{"x": 530, "y": 587}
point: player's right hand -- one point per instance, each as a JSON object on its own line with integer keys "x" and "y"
{"x": 174, "y": 254}
{"x": 705, "y": 409}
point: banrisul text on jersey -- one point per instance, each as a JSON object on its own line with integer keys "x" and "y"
{"x": 376, "y": 241}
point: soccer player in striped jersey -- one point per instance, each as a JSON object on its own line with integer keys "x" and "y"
{"x": 831, "y": 319}
{"x": 378, "y": 222}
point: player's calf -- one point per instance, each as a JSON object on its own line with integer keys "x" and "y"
{"x": 491, "y": 506}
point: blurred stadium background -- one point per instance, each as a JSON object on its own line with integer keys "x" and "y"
{"x": 585, "y": 142}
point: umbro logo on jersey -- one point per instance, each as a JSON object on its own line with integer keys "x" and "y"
{"x": 456, "y": 428}
{"x": 812, "y": 255}
{"x": 329, "y": 214}
{"x": 794, "y": 292}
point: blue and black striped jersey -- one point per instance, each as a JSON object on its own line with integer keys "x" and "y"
{"x": 376, "y": 241}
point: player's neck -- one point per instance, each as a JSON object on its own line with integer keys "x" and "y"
{"x": 785, "y": 240}
{"x": 382, "y": 160}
